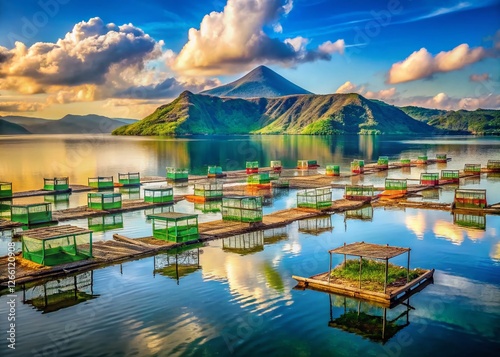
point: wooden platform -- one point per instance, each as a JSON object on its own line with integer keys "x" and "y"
{"x": 388, "y": 299}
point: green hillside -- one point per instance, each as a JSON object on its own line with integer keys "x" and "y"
{"x": 296, "y": 114}
{"x": 480, "y": 121}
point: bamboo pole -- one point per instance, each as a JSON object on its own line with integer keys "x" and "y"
{"x": 386, "y": 272}
{"x": 330, "y": 267}
{"x": 408, "y": 268}
{"x": 360, "y": 263}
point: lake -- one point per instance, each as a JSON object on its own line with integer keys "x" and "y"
{"x": 235, "y": 296}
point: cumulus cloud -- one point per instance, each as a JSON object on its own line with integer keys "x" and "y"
{"x": 94, "y": 61}
{"x": 84, "y": 56}
{"x": 234, "y": 40}
{"x": 421, "y": 64}
{"x": 383, "y": 94}
{"x": 479, "y": 77}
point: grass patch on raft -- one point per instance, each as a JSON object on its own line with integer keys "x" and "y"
{"x": 373, "y": 273}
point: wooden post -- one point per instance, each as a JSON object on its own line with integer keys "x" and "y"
{"x": 360, "y": 263}
{"x": 386, "y": 273}
{"x": 330, "y": 267}
{"x": 408, "y": 268}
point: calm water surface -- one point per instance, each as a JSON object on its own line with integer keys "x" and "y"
{"x": 216, "y": 300}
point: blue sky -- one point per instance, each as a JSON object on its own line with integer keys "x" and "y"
{"x": 125, "y": 58}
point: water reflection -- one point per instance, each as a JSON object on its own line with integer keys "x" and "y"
{"x": 61, "y": 293}
{"x": 316, "y": 226}
{"x": 275, "y": 235}
{"x": 178, "y": 262}
{"x": 105, "y": 223}
{"x": 376, "y": 323}
{"x": 243, "y": 244}
{"x": 59, "y": 201}
{"x": 130, "y": 193}
{"x": 5, "y": 208}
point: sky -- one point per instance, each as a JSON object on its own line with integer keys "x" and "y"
{"x": 125, "y": 58}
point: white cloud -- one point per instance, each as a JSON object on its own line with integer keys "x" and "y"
{"x": 234, "y": 40}
{"x": 421, "y": 64}
{"x": 383, "y": 94}
{"x": 347, "y": 87}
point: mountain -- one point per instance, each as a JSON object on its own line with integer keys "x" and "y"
{"x": 260, "y": 82}
{"x": 69, "y": 124}
{"x": 296, "y": 114}
{"x": 7, "y": 128}
{"x": 480, "y": 121}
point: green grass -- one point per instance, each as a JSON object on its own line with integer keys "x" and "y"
{"x": 372, "y": 272}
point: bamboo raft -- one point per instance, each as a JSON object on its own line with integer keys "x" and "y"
{"x": 387, "y": 299}
{"x": 122, "y": 249}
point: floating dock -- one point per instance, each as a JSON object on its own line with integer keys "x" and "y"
{"x": 384, "y": 293}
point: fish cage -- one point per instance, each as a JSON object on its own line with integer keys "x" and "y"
{"x": 56, "y": 184}
{"x": 215, "y": 172}
{"x": 442, "y": 158}
{"x": 176, "y": 174}
{"x": 332, "y": 170}
{"x": 358, "y": 192}
{"x": 470, "y": 198}
{"x": 316, "y": 225}
{"x": 405, "y": 162}
{"x": 178, "y": 262}
{"x": 493, "y": 165}
{"x": 281, "y": 183}
{"x": 358, "y": 166}
{"x": 276, "y": 166}
{"x": 259, "y": 179}
{"x": 364, "y": 213}
{"x": 396, "y": 185}
{"x": 307, "y": 164}
{"x": 273, "y": 176}
{"x": 429, "y": 178}
{"x": 422, "y": 160}
{"x": 242, "y": 209}
{"x": 105, "y": 223}
{"x": 316, "y": 198}
{"x": 175, "y": 227}
{"x": 5, "y": 189}
{"x": 208, "y": 206}
{"x": 129, "y": 179}
{"x": 207, "y": 191}
{"x": 252, "y": 167}
{"x": 61, "y": 293}
{"x": 57, "y": 245}
{"x": 104, "y": 201}
{"x": 130, "y": 192}
{"x": 450, "y": 176}
{"x": 247, "y": 243}
{"x": 101, "y": 182}
{"x": 467, "y": 220}
{"x": 472, "y": 169}
{"x": 35, "y": 213}
{"x": 5, "y": 209}
{"x": 383, "y": 162}
{"x": 159, "y": 195}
